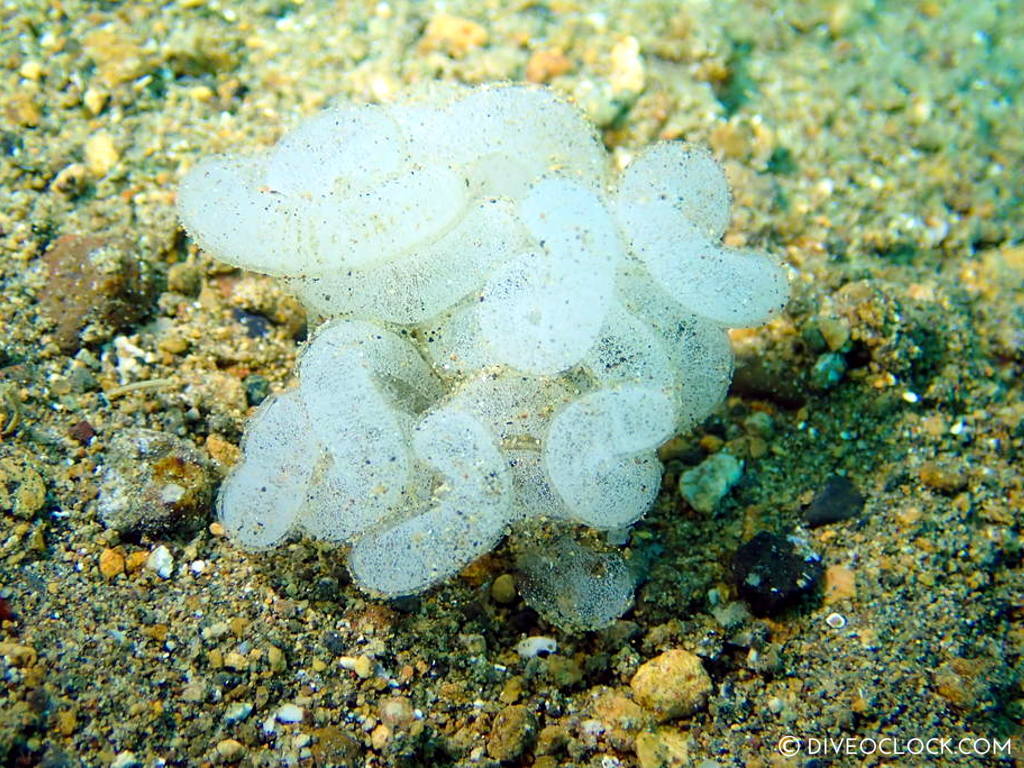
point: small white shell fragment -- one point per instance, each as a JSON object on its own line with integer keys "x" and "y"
{"x": 161, "y": 561}
{"x": 538, "y": 645}
{"x": 835, "y": 620}
{"x": 238, "y": 711}
{"x": 289, "y": 713}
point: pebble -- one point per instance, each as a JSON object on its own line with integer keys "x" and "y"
{"x": 23, "y": 109}
{"x": 184, "y": 278}
{"x": 289, "y": 713}
{"x": 161, "y": 561}
{"x": 82, "y": 432}
{"x": 94, "y": 100}
{"x": 100, "y": 154}
{"x": 361, "y": 665}
{"x": 503, "y": 589}
{"x": 236, "y": 661}
{"x": 828, "y": 370}
{"x": 536, "y": 646}
{"x": 835, "y": 331}
{"x": 96, "y": 286}
{"x": 276, "y": 659}
{"x": 19, "y": 655}
{"x": 835, "y": 620}
{"x": 238, "y": 711}
{"x": 773, "y": 572}
{"x": 840, "y": 584}
{"x": 136, "y": 560}
{"x": 663, "y": 748}
{"x": 512, "y": 733}
{"x": 546, "y": 64}
{"x": 672, "y": 685}
{"x": 396, "y": 710}
{"x": 943, "y": 476}
{"x": 627, "y": 67}
{"x": 224, "y": 454}
{"x": 31, "y": 70}
{"x": 707, "y": 484}
{"x": 154, "y": 483}
{"x": 126, "y": 759}
{"x": 230, "y": 750}
{"x": 22, "y": 490}
{"x": 835, "y": 501}
{"x": 334, "y": 746}
{"x": 621, "y": 717}
{"x": 215, "y": 631}
{"x": 111, "y": 563}
{"x": 453, "y": 35}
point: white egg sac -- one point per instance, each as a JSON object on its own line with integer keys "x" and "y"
{"x": 510, "y": 331}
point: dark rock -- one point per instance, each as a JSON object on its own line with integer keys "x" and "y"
{"x": 154, "y": 483}
{"x": 335, "y": 643}
{"x": 96, "y": 288}
{"x": 408, "y": 604}
{"x": 82, "y": 432}
{"x": 6, "y": 614}
{"x": 828, "y": 371}
{"x": 257, "y": 388}
{"x": 756, "y": 378}
{"x": 523, "y": 620}
{"x": 55, "y": 757}
{"x": 837, "y": 500}
{"x": 326, "y": 589}
{"x": 256, "y": 325}
{"x": 773, "y": 572}
{"x": 333, "y": 746}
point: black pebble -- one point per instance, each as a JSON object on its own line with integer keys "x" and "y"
{"x": 408, "y": 604}
{"x": 773, "y": 572}
{"x": 837, "y": 500}
{"x": 256, "y": 325}
{"x": 257, "y": 388}
{"x": 523, "y": 620}
{"x": 334, "y": 642}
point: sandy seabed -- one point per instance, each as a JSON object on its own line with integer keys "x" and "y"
{"x": 875, "y": 149}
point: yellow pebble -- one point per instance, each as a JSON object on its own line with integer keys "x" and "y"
{"x": 31, "y": 70}
{"x": 67, "y": 722}
{"x": 95, "y": 100}
{"x": 111, "y": 563}
{"x": 230, "y": 750}
{"x": 136, "y": 560}
{"x": 503, "y": 589}
{"x": 239, "y": 625}
{"x": 276, "y": 659}
{"x": 363, "y": 667}
{"x": 100, "y": 154}
{"x": 201, "y": 93}
{"x": 236, "y": 661}
{"x": 454, "y": 35}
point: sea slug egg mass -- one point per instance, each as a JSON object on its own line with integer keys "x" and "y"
{"x": 509, "y": 330}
